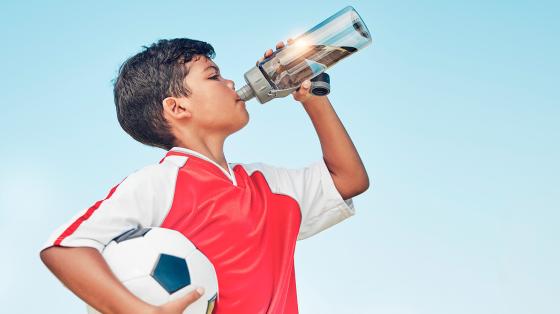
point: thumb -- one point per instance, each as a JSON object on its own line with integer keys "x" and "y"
{"x": 303, "y": 89}
{"x": 179, "y": 305}
{"x": 303, "y": 92}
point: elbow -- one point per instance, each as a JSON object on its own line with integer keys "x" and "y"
{"x": 351, "y": 185}
{"x": 358, "y": 187}
{"x": 49, "y": 255}
{"x": 363, "y": 185}
{"x": 44, "y": 256}
{"x": 366, "y": 185}
{"x": 361, "y": 182}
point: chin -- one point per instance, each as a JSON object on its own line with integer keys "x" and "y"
{"x": 244, "y": 123}
{"x": 240, "y": 124}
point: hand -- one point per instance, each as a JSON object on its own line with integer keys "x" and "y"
{"x": 178, "y": 306}
{"x": 269, "y": 52}
{"x": 302, "y": 94}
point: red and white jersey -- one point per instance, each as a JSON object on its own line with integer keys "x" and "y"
{"x": 245, "y": 219}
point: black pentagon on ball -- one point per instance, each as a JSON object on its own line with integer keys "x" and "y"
{"x": 171, "y": 272}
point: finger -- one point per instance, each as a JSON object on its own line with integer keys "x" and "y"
{"x": 290, "y": 41}
{"x": 303, "y": 92}
{"x": 280, "y": 45}
{"x": 306, "y": 85}
{"x": 188, "y": 299}
{"x": 268, "y": 53}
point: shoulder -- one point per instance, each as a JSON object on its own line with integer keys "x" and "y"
{"x": 159, "y": 175}
{"x": 268, "y": 168}
{"x": 281, "y": 178}
{"x": 252, "y": 167}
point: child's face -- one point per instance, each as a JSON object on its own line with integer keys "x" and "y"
{"x": 215, "y": 105}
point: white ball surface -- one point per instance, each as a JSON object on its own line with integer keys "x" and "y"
{"x": 136, "y": 260}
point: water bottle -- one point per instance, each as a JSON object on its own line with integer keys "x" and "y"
{"x": 307, "y": 58}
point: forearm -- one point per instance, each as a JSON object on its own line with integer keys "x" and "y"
{"x": 340, "y": 154}
{"x": 85, "y": 272}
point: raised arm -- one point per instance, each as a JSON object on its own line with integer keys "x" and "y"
{"x": 339, "y": 153}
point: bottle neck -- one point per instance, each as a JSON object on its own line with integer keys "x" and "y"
{"x": 246, "y": 92}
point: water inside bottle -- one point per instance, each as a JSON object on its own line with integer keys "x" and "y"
{"x": 309, "y": 62}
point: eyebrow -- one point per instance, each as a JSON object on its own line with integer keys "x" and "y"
{"x": 212, "y": 67}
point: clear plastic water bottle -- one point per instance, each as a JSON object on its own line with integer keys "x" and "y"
{"x": 309, "y": 55}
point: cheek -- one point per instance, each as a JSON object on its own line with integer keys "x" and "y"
{"x": 215, "y": 106}
{"x": 216, "y": 113}
{"x": 216, "y": 95}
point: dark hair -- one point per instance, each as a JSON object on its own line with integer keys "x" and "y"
{"x": 147, "y": 78}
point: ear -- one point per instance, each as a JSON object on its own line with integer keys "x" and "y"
{"x": 176, "y": 108}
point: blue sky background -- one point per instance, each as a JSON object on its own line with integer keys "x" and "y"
{"x": 454, "y": 109}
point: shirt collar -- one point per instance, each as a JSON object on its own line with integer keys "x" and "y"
{"x": 229, "y": 172}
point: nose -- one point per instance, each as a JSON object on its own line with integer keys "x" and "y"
{"x": 230, "y": 84}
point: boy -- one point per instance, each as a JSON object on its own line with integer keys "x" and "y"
{"x": 245, "y": 218}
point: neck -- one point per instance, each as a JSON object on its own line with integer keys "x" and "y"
{"x": 209, "y": 146}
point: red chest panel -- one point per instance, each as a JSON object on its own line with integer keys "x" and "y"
{"x": 248, "y": 233}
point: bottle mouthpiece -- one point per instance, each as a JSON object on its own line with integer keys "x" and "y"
{"x": 246, "y": 93}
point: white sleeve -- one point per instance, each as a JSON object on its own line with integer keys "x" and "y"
{"x": 141, "y": 200}
{"x": 313, "y": 188}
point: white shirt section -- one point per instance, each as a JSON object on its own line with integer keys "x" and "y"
{"x": 313, "y": 188}
{"x": 143, "y": 199}
{"x": 229, "y": 173}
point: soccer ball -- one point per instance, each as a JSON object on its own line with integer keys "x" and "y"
{"x": 159, "y": 265}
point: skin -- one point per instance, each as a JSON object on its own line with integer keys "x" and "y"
{"x": 202, "y": 122}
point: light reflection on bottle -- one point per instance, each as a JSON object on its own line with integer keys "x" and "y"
{"x": 309, "y": 62}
